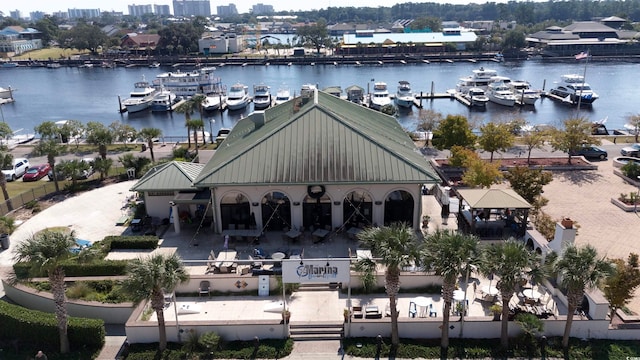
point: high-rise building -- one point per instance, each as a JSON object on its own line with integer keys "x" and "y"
{"x": 261, "y": 9}
{"x": 162, "y": 9}
{"x": 191, "y": 8}
{"x": 36, "y": 15}
{"x": 61, "y": 14}
{"x": 83, "y": 13}
{"x": 15, "y": 14}
{"x": 139, "y": 10}
{"x": 227, "y": 10}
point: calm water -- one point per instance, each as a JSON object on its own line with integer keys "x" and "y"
{"x": 91, "y": 94}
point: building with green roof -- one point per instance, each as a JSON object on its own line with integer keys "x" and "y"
{"x": 317, "y": 161}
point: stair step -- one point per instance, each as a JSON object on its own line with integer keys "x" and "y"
{"x": 316, "y": 331}
{"x": 315, "y": 337}
{"x": 311, "y": 325}
{"x": 318, "y": 287}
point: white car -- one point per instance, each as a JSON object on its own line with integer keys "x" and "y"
{"x": 18, "y": 167}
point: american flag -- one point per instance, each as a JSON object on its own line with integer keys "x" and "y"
{"x": 582, "y": 55}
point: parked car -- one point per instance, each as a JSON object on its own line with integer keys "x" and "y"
{"x": 18, "y": 167}
{"x": 591, "y": 152}
{"x": 632, "y": 150}
{"x": 37, "y": 172}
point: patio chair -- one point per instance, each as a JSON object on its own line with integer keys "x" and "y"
{"x": 413, "y": 311}
{"x": 357, "y": 312}
{"x": 205, "y": 288}
{"x": 168, "y": 297}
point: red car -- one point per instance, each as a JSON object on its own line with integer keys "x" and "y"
{"x": 36, "y": 173}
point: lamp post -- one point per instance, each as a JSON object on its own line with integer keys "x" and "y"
{"x": 464, "y": 301}
{"x": 211, "y": 122}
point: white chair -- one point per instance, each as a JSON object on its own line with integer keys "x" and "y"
{"x": 168, "y": 298}
{"x": 413, "y": 311}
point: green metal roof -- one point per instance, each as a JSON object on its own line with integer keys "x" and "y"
{"x": 319, "y": 140}
{"x": 174, "y": 175}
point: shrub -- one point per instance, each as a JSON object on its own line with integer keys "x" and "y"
{"x": 631, "y": 170}
{"x": 131, "y": 242}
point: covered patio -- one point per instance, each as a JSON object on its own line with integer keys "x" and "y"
{"x": 492, "y": 213}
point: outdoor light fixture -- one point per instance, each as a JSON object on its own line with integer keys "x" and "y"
{"x": 378, "y": 202}
{"x": 255, "y": 204}
{"x": 301, "y": 263}
{"x": 336, "y": 203}
{"x": 296, "y": 203}
{"x": 328, "y": 264}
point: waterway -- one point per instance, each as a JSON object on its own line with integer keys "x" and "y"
{"x": 92, "y": 94}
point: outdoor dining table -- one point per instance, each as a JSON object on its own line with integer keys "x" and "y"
{"x": 531, "y": 294}
{"x": 278, "y": 256}
{"x": 364, "y": 254}
{"x": 225, "y": 259}
{"x": 458, "y": 295}
{"x": 320, "y": 234}
{"x": 293, "y": 234}
{"x": 353, "y": 232}
{"x": 423, "y": 304}
{"x": 489, "y": 290}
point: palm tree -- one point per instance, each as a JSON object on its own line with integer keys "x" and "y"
{"x": 396, "y": 245}
{"x": 195, "y": 125}
{"x": 186, "y": 108}
{"x": 100, "y": 135}
{"x": 6, "y": 159}
{"x": 149, "y": 278}
{"x": 512, "y": 263}
{"x": 449, "y": 254}
{"x": 149, "y": 134}
{"x": 46, "y": 251}
{"x": 577, "y": 269}
{"x": 49, "y": 145}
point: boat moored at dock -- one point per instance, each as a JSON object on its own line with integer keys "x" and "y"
{"x": 380, "y": 97}
{"x": 238, "y": 97}
{"x": 141, "y": 97}
{"x": 501, "y": 94}
{"x": 261, "y": 96}
{"x": 404, "y": 96}
{"x": 573, "y": 89}
{"x": 199, "y": 81}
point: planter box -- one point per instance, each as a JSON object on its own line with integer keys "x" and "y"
{"x": 623, "y": 206}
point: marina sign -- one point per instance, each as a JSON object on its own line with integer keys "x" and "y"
{"x": 315, "y": 271}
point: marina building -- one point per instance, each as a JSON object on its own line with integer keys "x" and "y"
{"x": 15, "y": 40}
{"x": 374, "y": 42}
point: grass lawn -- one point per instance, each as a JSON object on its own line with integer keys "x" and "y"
{"x": 53, "y": 53}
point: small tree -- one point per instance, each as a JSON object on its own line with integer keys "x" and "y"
{"x": 619, "y": 288}
{"x": 123, "y": 132}
{"x": 495, "y": 137}
{"x": 533, "y": 139}
{"x": 454, "y": 130}
{"x": 527, "y": 182}
{"x": 634, "y": 122}
{"x": 480, "y": 173}
{"x": 101, "y": 136}
{"x": 6, "y": 160}
{"x": 428, "y": 120}
{"x": 149, "y": 135}
{"x": 577, "y": 132}
{"x": 102, "y": 166}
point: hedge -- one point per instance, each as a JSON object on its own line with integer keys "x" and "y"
{"x": 131, "y": 242}
{"x": 72, "y": 268}
{"x": 39, "y": 329}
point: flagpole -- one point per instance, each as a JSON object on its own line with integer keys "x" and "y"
{"x": 584, "y": 81}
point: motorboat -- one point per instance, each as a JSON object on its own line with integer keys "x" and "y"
{"x": 9, "y": 64}
{"x": 380, "y": 97}
{"x": 574, "y": 90}
{"x": 501, "y": 94}
{"x": 261, "y": 96}
{"x": 238, "y": 97}
{"x": 479, "y": 78}
{"x": 200, "y": 81}
{"x": 476, "y": 97}
{"x": 404, "y": 96}
{"x": 53, "y": 65}
{"x": 6, "y": 93}
{"x": 214, "y": 101}
{"x": 154, "y": 65}
{"x": 15, "y": 139}
{"x": 524, "y": 93}
{"x": 86, "y": 65}
{"x": 141, "y": 97}
{"x": 283, "y": 95}
{"x": 163, "y": 100}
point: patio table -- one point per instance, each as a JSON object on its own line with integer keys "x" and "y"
{"x": 423, "y": 304}
{"x": 319, "y": 235}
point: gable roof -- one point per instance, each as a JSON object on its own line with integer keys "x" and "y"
{"x": 174, "y": 175}
{"x": 493, "y": 199}
{"x": 319, "y": 140}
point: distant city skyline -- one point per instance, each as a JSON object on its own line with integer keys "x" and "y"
{"x": 243, "y": 6}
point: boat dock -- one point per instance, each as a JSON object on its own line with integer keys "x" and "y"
{"x": 175, "y": 106}
{"x": 556, "y": 97}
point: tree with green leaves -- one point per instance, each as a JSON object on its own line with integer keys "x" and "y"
{"x": 5, "y": 131}
{"x": 72, "y": 129}
{"x": 6, "y": 161}
{"x": 512, "y": 263}
{"x": 619, "y": 288}
{"x": 150, "y": 278}
{"x": 495, "y": 137}
{"x": 47, "y": 251}
{"x": 579, "y": 269}
{"x": 315, "y": 35}
{"x": 634, "y": 122}
{"x": 195, "y": 125}
{"x": 533, "y": 139}
{"x": 528, "y": 182}
{"x": 83, "y": 36}
{"x": 577, "y": 132}
{"x": 149, "y": 135}
{"x": 431, "y": 23}
{"x": 477, "y": 173}
{"x": 49, "y": 145}
{"x": 453, "y": 130}
{"x": 514, "y": 39}
{"x": 123, "y": 132}
{"x": 102, "y": 166}
{"x": 101, "y": 136}
{"x": 75, "y": 169}
{"x": 449, "y": 254}
{"x": 186, "y": 108}
{"x": 396, "y": 246}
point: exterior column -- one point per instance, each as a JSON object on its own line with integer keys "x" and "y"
{"x": 175, "y": 217}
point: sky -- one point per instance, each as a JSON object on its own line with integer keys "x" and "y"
{"x": 243, "y": 6}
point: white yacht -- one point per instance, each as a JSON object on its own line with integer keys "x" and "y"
{"x": 141, "y": 97}
{"x": 163, "y": 100}
{"x": 6, "y": 93}
{"x": 214, "y": 101}
{"x": 200, "y": 81}
{"x": 524, "y": 93}
{"x": 380, "y": 97}
{"x": 283, "y": 95}
{"x": 476, "y": 97}
{"x": 500, "y": 93}
{"x": 480, "y": 78}
{"x": 404, "y": 96}
{"x": 573, "y": 89}
{"x": 238, "y": 97}
{"x": 261, "y": 96}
